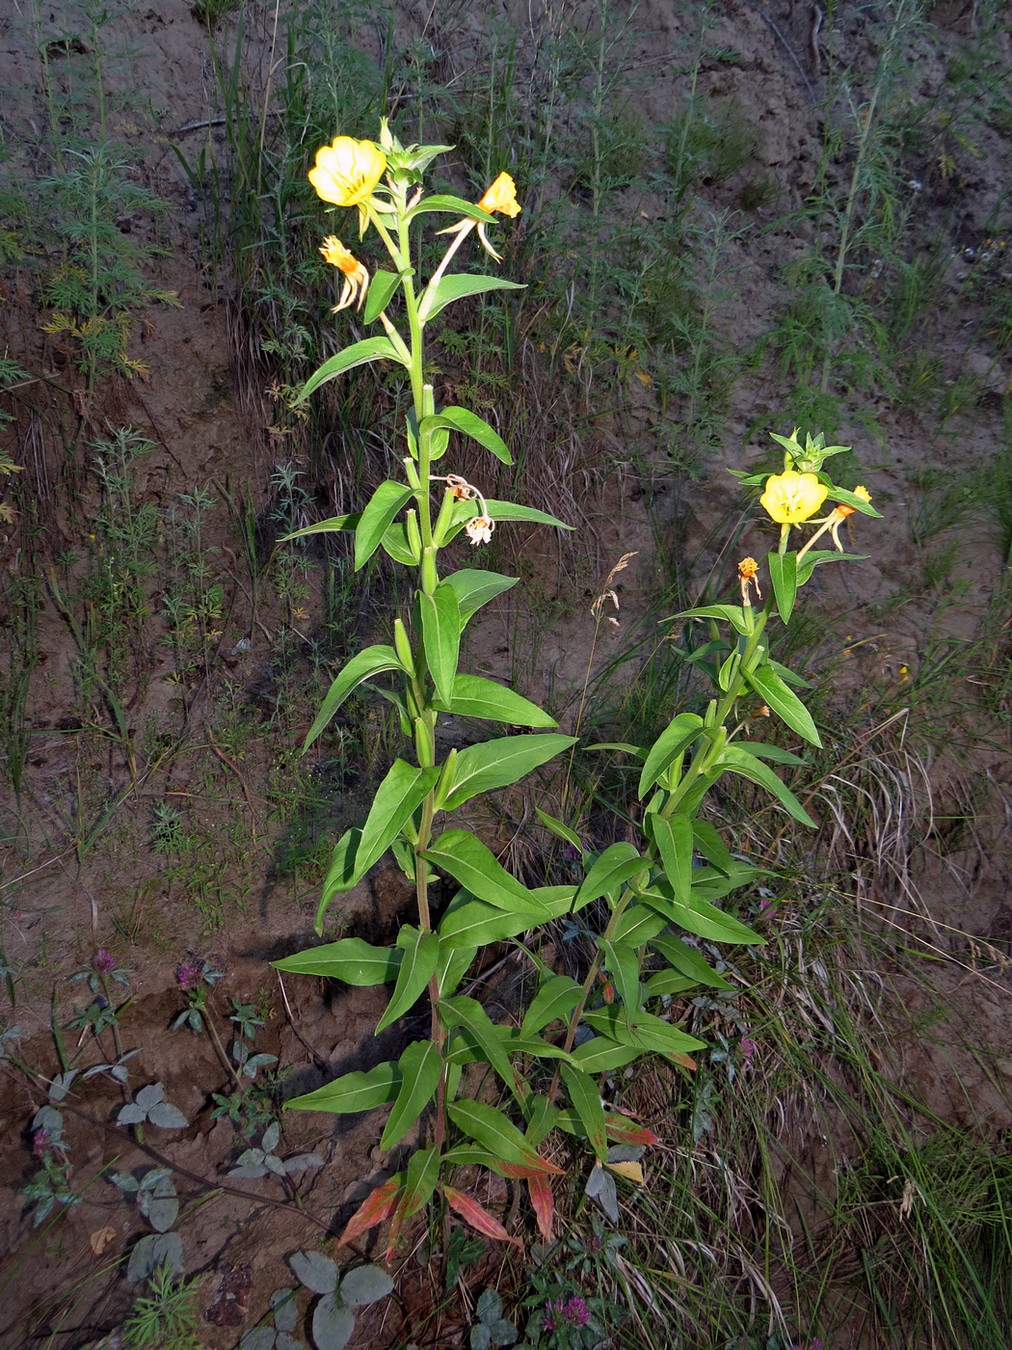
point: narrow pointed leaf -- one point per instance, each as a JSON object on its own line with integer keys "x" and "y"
{"x": 784, "y": 576}
{"x": 498, "y": 763}
{"x": 395, "y": 802}
{"x": 467, "y": 423}
{"x": 601, "y": 1054}
{"x": 738, "y": 760}
{"x": 700, "y": 917}
{"x": 689, "y": 961}
{"x": 372, "y": 661}
{"x": 673, "y": 741}
{"x": 731, "y": 614}
{"x": 474, "y": 696}
{"x": 456, "y": 285}
{"x": 382, "y": 286}
{"x": 420, "y": 1180}
{"x": 553, "y": 1002}
{"x": 378, "y": 513}
{"x": 560, "y": 830}
{"x": 352, "y": 1092}
{"x": 502, "y": 512}
{"x": 376, "y": 1208}
{"x": 586, "y": 1098}
{"x": 622, "y": 964}
{"x": 616, "y": 865}
{"x": 543, "y": 1204}
{"x": 637, "y": 924}
{"x": 358, "y": 354}
{"x": 469, "y": 1014}
{"x": 480, "y": 1219}
{"x": 420, "y": 1066}
{"x": 674, "y": 844}
{"x": 440, "y": 614}
{"x": 784, "y": 702}
{"x": 475, "y": 588}
{"x": 710, "y": 844}
{"x": 421, "y": 951}
{"x": 467, "y": 860}
{"x": 469, "y": 923}
{"x": 643, "y": 1029}
{"x": 493, "y": 1131}
{"x": 622, "y": 1130}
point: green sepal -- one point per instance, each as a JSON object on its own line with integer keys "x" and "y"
{"x": 421, "y": 952}
{"x": 440, "y": 615}
{"x": 469, "y": 861}
{"x": 455, "y": 286}
{"x": 358, "y": 354}
{"x": 420, "y": 1066}
{"x": 616, "y": 865}
{"x": 468, "y": 423}
{"x": 784, "y": 702}
{"x": 474, "y": 696}
{"x": 362, "y": 666}
{"x": 498, "y": 763}
{"x": 585, "y": 1095}
{"x": 475, "y": 588}
{"x": 669, "y": 746}
{"x": 377, "y": 516}
{"x": 735, "y": 759}
{"x": 352, "y": 960}
{"x": 784, "y": 576}
{"x": 356, "y": 1091}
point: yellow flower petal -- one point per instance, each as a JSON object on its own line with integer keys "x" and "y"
{"x": 347, "y": 171}
{"x": 502, "y": 197}
{"x": 793, "y": 497}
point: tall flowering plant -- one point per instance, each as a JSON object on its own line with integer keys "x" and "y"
{"x": 660, "y": 894}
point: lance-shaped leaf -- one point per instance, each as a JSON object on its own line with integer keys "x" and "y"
{"x": 500, "y": 512}
{"x": 670, "y": 745}
{"x": 475, "y": 588}
{"x": 637, "y": 925}
{"x": 440, "y": 614}
{"x": 356, "y": 1091}
{"x": 469, "y": 923}
{"x": 334, "y": 525}
{"x": 372, "y": 661}
{"x": 358, "y": 354}
{"x": 543, "y": 1204}
{"x": 554, "y": 1002}
{"x": 382, "y": 286}
{"x": 710, "y": 844}
{"x": 457, "y": 206}
{"x": 467, "y": 860}
{"x": 396, "y": 545}
{"x": 498, "y": 763}
{"x": 460, "y": 419}
{"x": 560, "y": 830}
{"x": 349, "y": 959}
{"x": 480, "y": 1219}
{"x": 784, "y": 576}
{"x": 600, "y": 1054}
{"x": 472, "y": 1017}
{"x": 674, "y": 844}
{"x": 622, "y": 963}
{"x": 689, "y": 961}
{"x": 493, "y": 1131}
{"x": 622, "y": 1130}
{"x": 784, "y": 702}
{"x": 452, "y": 965}
{"x": 420, "y": 1066}
{"x": 739, "y": 760}
{"x": 643, "y": 1029}
{"x": 731, "y": 614}
{"x": 377, "y": 515}
{"x": 585, "y": 1095}
{"x": 474, "y": 696}
{"x": 455, "y": 286}
{"x": 420, "y": 1180}
{"x": 421, "y": 952}
{"x": 616, "y": 865}
{"x": 377, "y": 1207}
{"x": 698, "y": 917}
{"x": 816, "y": 558}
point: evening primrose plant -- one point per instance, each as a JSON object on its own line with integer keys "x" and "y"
{"x": 657, "y": 897}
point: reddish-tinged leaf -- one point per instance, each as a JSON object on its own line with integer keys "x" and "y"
{"x": 541, "y": 1168}
{"x": 473, "y": 1213}
{"x": 543, "y": 1203}
{"x": 376, "y": 1207}
{"x": 686, "y": 1061}
{"x": 626, "y": 1131}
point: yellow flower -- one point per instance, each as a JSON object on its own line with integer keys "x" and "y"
{"x": 479, "y": 530}
{"x": 844, "y": 510}
{"x": 793, "y": 497}
{"x": 748, "y": 574}
{"x": 347, "y": 171}
{"x": 502, "y": 197}
{"x": 356, "y": 278}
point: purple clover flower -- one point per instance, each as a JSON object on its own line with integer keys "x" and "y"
{"x": 189, "y": 974}
{"x": 41, "y": 1143}
{"x": 747, "y": 1048}
{"x": 573, "y": 1311}
{"x": 103, "y": 962}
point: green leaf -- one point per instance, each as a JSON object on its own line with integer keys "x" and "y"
{"x": 474, "y": 696}
{"x": 731, "y": 614}
{"x": 469, "y": 1014}
{"x": 670, "y": 745}
{"x": 490, "y": 1128}
{"x": 616, "y": 865}
{"x": 674, "y": 844}
{"x": 441, "y": 636}
{"x": 784, "y": 576}
{"x": 738, "y": 760}
{"x": 816, "y": 558}
{"x": 332, "y": 526}
{"x": 784, "y": 702}
{"x": 358, "y": 354}
{"x": 585, "y": 1095}
{"x": 372, "y": 661}
{"x": 420, "y": 1066}
{"x": 378, "y": 514}
{"x": 421, "y": 951}
{"x": 467, "y": 860}
{"x": 349, "y": 959}
{"x": 560, "y": 830}
{"x": 775, "y": 753}
{"x": 457, "y": 206}
{"x": 467, "y": 423}
{"x": 500, "y": 512}
{"x": 644, "y": 1030}
{"x": 637, "y": 924}
{"x": 498, "y": 763}
{"x": 352, "y": 1092}
{"x": 711, "y": 845}
{"x": 382, "y": 286}
{"x": 601, "y": 1054}
{"x": 689, "y": 962}
{"x": 451, "y": 966}
{"x": 395, "y": 545}
{"x": 668, "y": 982}
{"x": 420, "y": 1181}
{"x": 698, "y": 917}
{"x": 456, "y": 285}
{"x": 475, "y": 588}
{"x": 622, "y": 963}
{"x": 469, "y": 923}
{"x": 554, "y": 1002}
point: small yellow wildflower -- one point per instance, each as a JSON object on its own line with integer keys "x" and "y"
{"x": 501, "y": 197}
{"x": 356, "y": 278}
{"x": 791, "y": 497}
{"x": 347, "y": 171}
{"x": 748, "y": 570}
